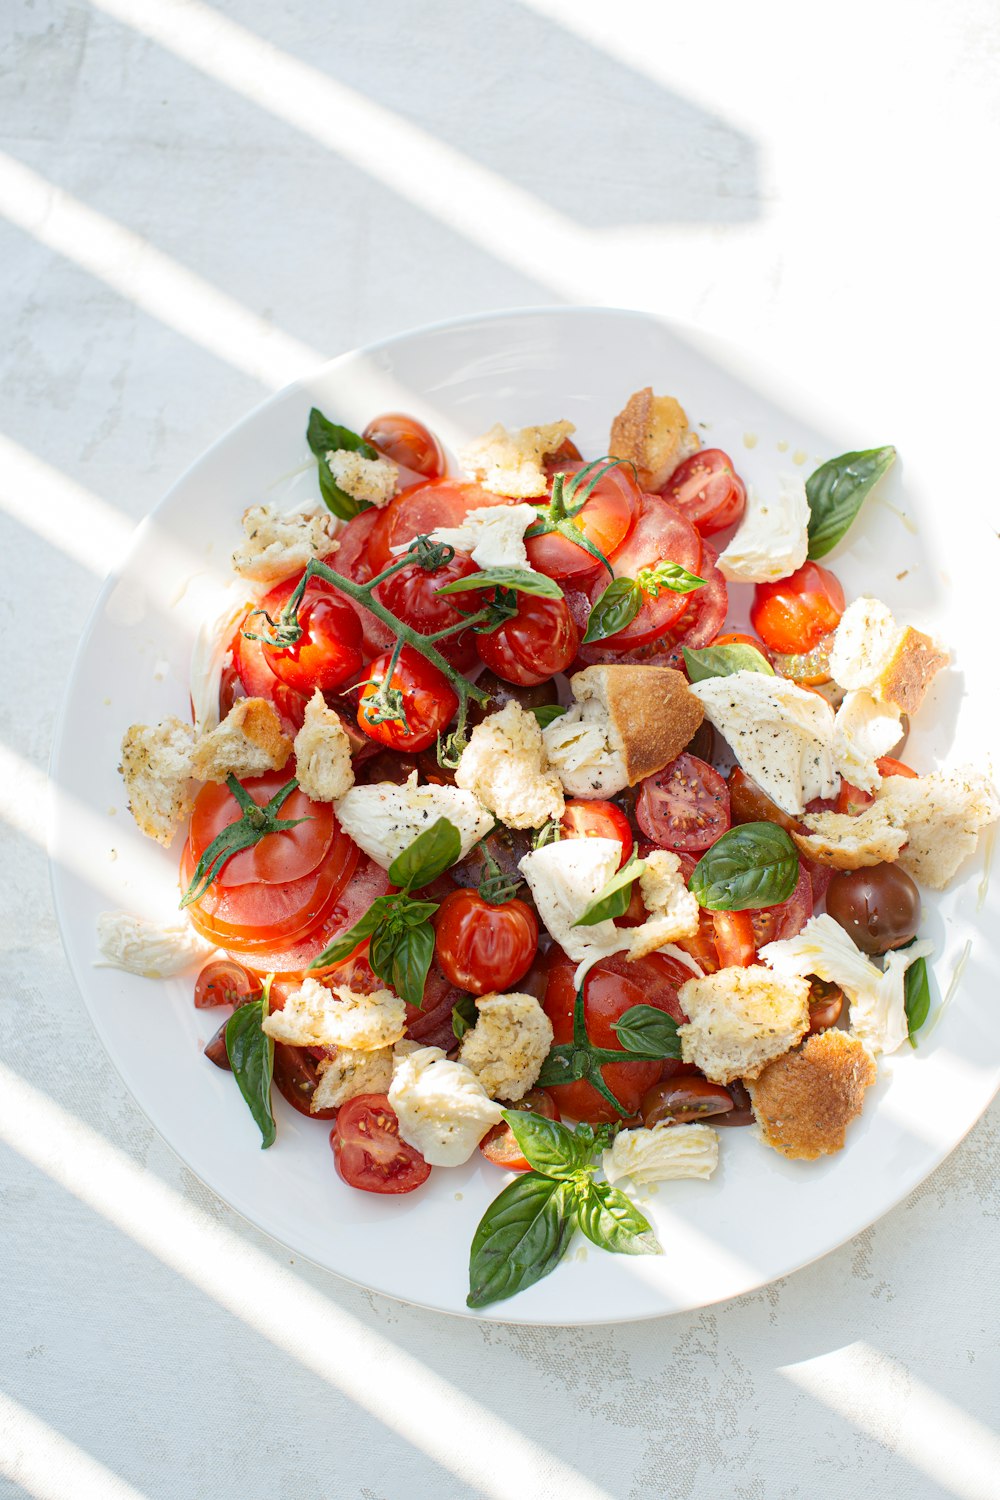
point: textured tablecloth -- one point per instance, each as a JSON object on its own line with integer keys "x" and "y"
{"x": 201, "y": 202}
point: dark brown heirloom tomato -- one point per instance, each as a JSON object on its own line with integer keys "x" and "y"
{"x": 702, "y": 742}
{"x": 215, "y": 1050}
{"x": 507, "y": 846}
{"x": 296, "y": 1075}
{"x": 537, "y": 695}
{"x": 742, "y": 1111}
{"x": 679, "y": 1100}
{"x": 225, "y": 982}
{"x": 749, "y": 803}
{"x": 879, "y": 907}
{"x": 826, "y": 1001}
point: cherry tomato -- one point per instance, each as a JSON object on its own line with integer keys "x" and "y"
{"x": 440, "y": 502}
{"x": 254, "y": 672}
{"x": 429, "y": 702}
{"x": 278, "y": 857}
{"x": 660, "y": 534}
{"x": 772, "y": 924}
{"x": 605, "y": 520}
{"x": 540, "y": 640}
{"x": 499, "y": 1144}
{"x": 684, "y": 806}
{"x": 368, "y": 1151}
{"x": 734, "y": 939}
{"x": 704, "y": 614}
{"x": 482, "y": 947}
{"x": 680, "y": 1100}
{"x": 297, "y": 1078}
{"x": 597, "y": 819}
{"x": 328, "y": 652}
{"x": 215, "y": 1050}
{"x": 612, "y": 987}
{"x": 225, "y": 982}
{"x": 826, "y": 1001}
{"x": 794, "y": 614}
{"x": 887, "y": 766}
{"x": 707, "y": 490}
{"x": 412, "y": 596}
{"x": 701, "y": 945}
{"x": 407, "y": 442}
{"x": 879, "y": 906}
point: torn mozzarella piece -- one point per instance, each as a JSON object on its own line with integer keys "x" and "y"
{"x": 564, "y": 878}
{"x": 662, "y": 1153}
{"x": 384, "y": 819}
{"x": 772, "y": 539}
{"x": 863, "y": 731}
{"x": 442, "y": 1108}
{"x": 578, "y": 746}
{"x": 153, "y": 950}
{"x": 492, "y": 535}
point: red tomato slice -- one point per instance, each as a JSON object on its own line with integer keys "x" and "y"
{"x": 605, "y": 520}
{"x": 499, "y": 1145}
{"x": 684, "y": 806}
{"x": 704, "y": 614}
{"x": 280, "y": 856}
{"x": 772, "y": 924}
{"x": 660, "y": 534}
{"x": 351, "y": 558}
{"x": 368, "y": 1151}
{"x": 708, "y": 490}
{"x": 597, "y": 819}
{"x": 442, "y": 502}
{"x": 734, "y": 938}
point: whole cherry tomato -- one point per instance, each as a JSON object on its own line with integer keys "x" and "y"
{"x": 540, "y": 640}
{"x": 482, "y": 946}
{"x": 794, "y": 614}
{"x": 499, "y": 1144}
{"x": 413, "y": 596}
{"x": 708, "y": 490}
{"x": 329, "y": 650}
{"x": 429, "y": 702}
{"x": 596, "y": 819}
{"x": 368, "y": 1151}
{"x": 407, "y": 442}
{"x": 684, "y": 806}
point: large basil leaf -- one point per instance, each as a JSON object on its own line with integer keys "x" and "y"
{"x": 323, "y": 437}
{"x": 412, "y": 952}
{"x": 612, "y": 900}
{"x": 917, "y": 997}
{"x": 432, "y": 852}
{"x": 251, "y": 1056}
{"x": 522, "y": 580}
{"x": 522, "y": 1237}
{"x": 612, "y": 1221}
{"x": 836, "y": 491}
{"x": 753, "y": 865}
{"x": 722, "y": 661}
{"x": 616, "y": 608}
{"x": 644, "y": 1028}
{"x": 549, "y": 1146}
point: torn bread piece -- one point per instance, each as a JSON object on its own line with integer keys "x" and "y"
{"x": 508, "y": 1044}
{"x": 894, "y": 663}
{"x": 348, "y": 1073}
{"x": 506, "y": 767}
{"x": 804, "y": 1102}
{"x": 673, "y": 910}
{"x": 323, "y": 753}
{"x": 248, "y": 742}
{"x": 652, "y": 433}
{"x": 943, "y": 814}
{"x": 277, "y": 544}
{"x": 316, "y": 1015}
{"x": 511, "y": 462}
{"x": 156, "y": 769}
{"x": 372, "y": 480}
{"x": 740, "y": 1019}
{"x": 849, "y": 842}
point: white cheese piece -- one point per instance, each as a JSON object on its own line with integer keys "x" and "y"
{"x": 317, "y": 1016}
{"x": 662, "y": 1153}
{"x": 369, "y": 479}
{"x": 349, "y": 1073}
{"x": 864, "y": 643}
{"x": 773, "y": 537}
{"x": 211, "y": 654}
{"x": 151, "y": 949}
{"x": 579, "y": 747}
{"x": 492, "y": 535}
{"x": 780, "y": 733}
{"x": 442, "y": 1108}
{"x": 508, "y": 1044}
{"x": 384, "y": 819}
{"x": 863, "y": 731}
{"x": 564, "y": 879}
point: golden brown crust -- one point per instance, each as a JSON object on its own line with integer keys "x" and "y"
{"x": 652, "y": 432}
{"x": 653, "y": 711}
{"x": 913, "y": 666}
{"x": 848, "y": 842}
{"x": 248, "y": 742}
{"x": 803, "y": 1102}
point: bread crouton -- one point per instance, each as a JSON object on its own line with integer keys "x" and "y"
{"x": 276, "y": 545}
{"x": 248, "y": 742}
{"x": 740, "y": 1019}
{"x": 323, "y": 753}
{"x": 943, "y": 814}
{"x": 372, "y": 480}
{"x": 506, "y": 767}
{"x": 673, "y": 910}
{"x": 511, "y": 463}
{"x": 803, "y": 1102}
{"x": 852, "y": 843}
{"x": 317, "y": 1016}
{"x": 895, "y": 663}
{"x": 508, "y": 1044}
{"x": 156, "y": 769}
{"x": 349, "y": 1073}
{"x": 652, "y": 433}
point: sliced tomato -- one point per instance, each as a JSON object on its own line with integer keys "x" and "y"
{"x": 225, "y": 982}
{"x": 734, "y": 938}
{"x": 352, "y": 556}
{"x": 888, "y": 766}
{"x": 660, "y": 534}
{"x": 276, "y": 858}
{"x": 441, "y": 502}
{"x": 499, "y": 1145}
{"x": 772, "y": 924}
{"x": 605, "y": 520}
{"x": 707, "y": 489}
{"x": 368, "y": 1151}
{"x": 704, "y": 614}
{"x": 684, "y": 806}
{"x": 597, "y": 819}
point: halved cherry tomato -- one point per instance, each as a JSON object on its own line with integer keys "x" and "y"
{"x": 225, "y": 982}
{"x": 684, "y": 806}
{"x": 540, "y": 640}
{"x": 851, "y": 799}
{"x": 605, "y": 521}
{"x": 678, "y": 1100}
{"x": 328, "y": 652}
{"x": 826, "y": 1001}
{"x": 499, "y": 1144}
{"x": 596, "y": 819}
{"x": 772, "y": 924}
{"x": 707, "y": 490}
{"x": 429, "y": 701}
{"x": 413, "y": 596}
{"x": 794, "y": 614}
{"x": 704, "y": 614}
{"x": 660, "y": 534}
{"x": 407, "y": 442}
{"x": 278, "y": 857}
{"x": 749, "y": 803}
{"x": 483, "y": 947}
{"x": 734, "y": 939}
{"x": 297, "y": 1077}
{"x": 368, "y": 1151}
{"x": 440, "y": 502}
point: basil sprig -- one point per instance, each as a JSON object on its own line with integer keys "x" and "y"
{"x": 916, "y": 997}
{"x": 623, "y": 599}
{"x": 836, "y": 491}
{"x": 402, "y": 938}
{"x": 753, "y": 865}
{"x": 251, "y": 1056}
{"x": 526, "y": 1230}
{"x": 253, "y": 824}
{"x": 521, "y": 580}
{"x": 323, "y": 437}
{"x": 547, "y": 713}
{"x": 722, "y": 661}
{"x": 581, "y": 1059}
{"x": 612, "y": 900}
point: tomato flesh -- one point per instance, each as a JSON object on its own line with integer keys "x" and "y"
{"x": 482, "y": 947}
{"x": 734, "y": 938}
{"x": 328, "y": 652}
{"x": 660, "y": 534}
{"x": 597, "y": 819}
{"x": 225, "y": 982}
{"x": 499, "y": 1144}
{"x": 793, "y": 615}
{"x": 368, "y": 1151}
{"x": 440, "y": 502}
{"x": 708, "y": 491}
{"x": 276, "y": 858}
{"x": 408, "y": 443}
{"x": 772, "y": 924}
{"x": 684, "y": 806}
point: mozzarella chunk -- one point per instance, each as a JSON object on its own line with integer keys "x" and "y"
{"x": 505, "y": 766}
{"x": 152, "y": 949}
{"x": 943, "y": 814}
{"x": 372, "y": 480}
{"x": 248, "y": 742}
{"x": 492, "y": 535}
{"x": 315, "y": 1016}
{"x": 863, "y": 731}
{"x": 511, "y": 462}
{"x": 739, "y": 1019}
{"x": 508, "y": 1044}
{"x": 673, "y": 910}
{"x": 773, "y": 537}
{"x": 564, "y": 879}
{"x": 442, "y": 1108}
{"x": 662, "y": 1153}
{"x": 384, "y": 819}
{"x": 780, "y": 733}
{"x": 156, "y": 768}
{"x": 323, "y": 753}
{"x": 351, "y": 1072}
{"x": 276, "y": 545}
{"x": 579, "y": 747}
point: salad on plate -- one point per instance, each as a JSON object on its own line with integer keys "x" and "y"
{"x": 554, "y": 809}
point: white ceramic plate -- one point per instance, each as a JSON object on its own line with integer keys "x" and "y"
{"x": 760, "y": 1217}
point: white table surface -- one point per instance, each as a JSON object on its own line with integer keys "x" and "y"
{"x": 197, "y": 204}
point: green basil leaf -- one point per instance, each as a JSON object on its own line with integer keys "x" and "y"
{"x": 323, "y": 437}
{"x": 722, "y": 661}
{"x": 522, "y": 1237}
{"x": 668, "y": 575}
{"x": 464, "y": 1015}
{"x": 612, "y": 900}
{"x": 616, "y": 608}
{"x": 343, "y": 946}
{"x": 917, "y": 997}
{"x": 251, "y": 1056}
{"x": 432, "y": 852}
{"x": 836, "y": 491}
{"x": 411, "y": 959}
{"x": 612, "y": 1221}
{"x": 548, "y": 713}
{"x": 753, "y": 865}
{"x": 522, "y": 580}
{"x": 643, "y": 1028}
{"x": 549, "y": 1146}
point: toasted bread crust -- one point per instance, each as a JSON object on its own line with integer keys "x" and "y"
{"x": 803, "y": 1102}
{"x": 851, "y": 843}
{"x": 914, "y": 664}
{"x": 652, "y": 432}
{"x": 651, "y": 709}
{"x": 248, "y": 742}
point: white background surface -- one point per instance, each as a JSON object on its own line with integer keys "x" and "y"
{"x": 198, "y": 204}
